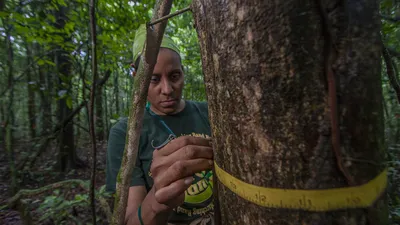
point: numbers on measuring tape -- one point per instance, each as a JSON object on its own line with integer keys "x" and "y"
{"x": 309, "y": 200}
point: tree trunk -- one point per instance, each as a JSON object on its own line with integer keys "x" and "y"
{"x": 67, "y": 156}
{"x": 31, "y": 96}
{"x": 2, "y": 124}
{"x": 268, "y": 72}
{"x": 116, "y": 91}
{"x": 99, "y": 114}
{"x": 106, "y": 112}
{"x": 10, "y": 117}
{"x": 99, "y": 106}
{"x": 44, "y": 93}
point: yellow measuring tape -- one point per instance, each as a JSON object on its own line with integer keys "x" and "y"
{"x": 310, "y": 200}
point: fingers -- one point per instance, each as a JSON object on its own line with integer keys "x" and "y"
{"x": 173, "y": 166}
{"x": 173, "y": 191}
{"x": 183, "y": 141}
{"x": 186, "y": 153}
{"x": 181, "y": 169}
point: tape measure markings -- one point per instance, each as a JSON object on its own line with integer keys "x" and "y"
{"x": 310, "y": 200}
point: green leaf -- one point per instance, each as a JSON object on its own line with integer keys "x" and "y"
{"x": 51, "y": 17}
{"x": 69, "y": 102}
{"x": 4, "y": 14}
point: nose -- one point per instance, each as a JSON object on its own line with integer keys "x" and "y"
{"x": 166, "y": 87}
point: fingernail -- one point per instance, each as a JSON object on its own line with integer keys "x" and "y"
{"x": 210, "y": 162}
{"x": 189, "y": 180}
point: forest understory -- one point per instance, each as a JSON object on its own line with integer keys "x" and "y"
{"x": 43, "y": 174}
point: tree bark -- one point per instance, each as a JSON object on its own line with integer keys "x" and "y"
{"x": 270, "y": 68}
{"x": 99, "y": 114}
{"x": 100, "y": 124}
{"x": 2, "y": 124}
{"x": 92, "y": 15}
{"x": 106, "y": 112}
{"x": 44, "y": 93}
{"x": 139, "y": 95}
{"x": 31, "y": 96}
{"x": 116, "y": 92}
{"x": 67, "y": 155}
{"x": 10, "y": 117}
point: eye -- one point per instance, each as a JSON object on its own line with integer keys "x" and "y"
{"x": 155, "y": 79}
{"x": 175, "y": 76}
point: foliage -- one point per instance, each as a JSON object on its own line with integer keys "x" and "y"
{"x": 391, "y": 35}
{"x": 59, "y": 210}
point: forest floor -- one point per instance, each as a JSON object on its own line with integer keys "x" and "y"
{"x": 43, "y": 174}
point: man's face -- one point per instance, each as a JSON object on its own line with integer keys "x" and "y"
{"x": 165, "y": 90}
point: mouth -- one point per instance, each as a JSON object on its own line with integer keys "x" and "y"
{"x": 168, "y": 103}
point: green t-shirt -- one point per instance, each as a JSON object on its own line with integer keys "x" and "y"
{"x": 192, "y": 120}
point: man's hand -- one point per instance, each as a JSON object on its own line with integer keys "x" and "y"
{"x": 173, "y": 168}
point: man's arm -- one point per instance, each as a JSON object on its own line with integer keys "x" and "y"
{"x": 172, "y": 168}
{"x": 139, "y": 196}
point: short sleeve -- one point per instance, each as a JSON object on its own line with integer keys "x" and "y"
{"x": 115, "y": 151}
{"x": 138, "y": 174}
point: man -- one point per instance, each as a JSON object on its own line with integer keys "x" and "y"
{"x": 172, "y": 179}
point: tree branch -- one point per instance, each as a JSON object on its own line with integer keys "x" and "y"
{"x": 153, "y": 42}
{"x": 169, "y": 16}
{"x": 105, "y": 78}
{"x": 391, "y": 73}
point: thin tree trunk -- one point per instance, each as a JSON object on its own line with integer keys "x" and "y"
{"x": 270, "y": 77}
{"x": 31, "y": 96}
{"x": 99, "y": 119}
{"x": 99, "y": 115}
{"x": 67, "y": 155}
{"x": 2, "y": 124}
{"x": 116, "y": 92}
{"x": 44, "y": 92}
{"x": 139, "y": 96}
{"x": 9, "y": 124}
{"x": 2, "y": 103}
{"x": 83, "y": 78}
{"x": 391, "y": 72}
{"x": 92, "y": 15}
{"x": 106, "y": 109}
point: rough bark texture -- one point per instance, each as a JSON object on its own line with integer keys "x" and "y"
{"x": 265, "y": 66}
